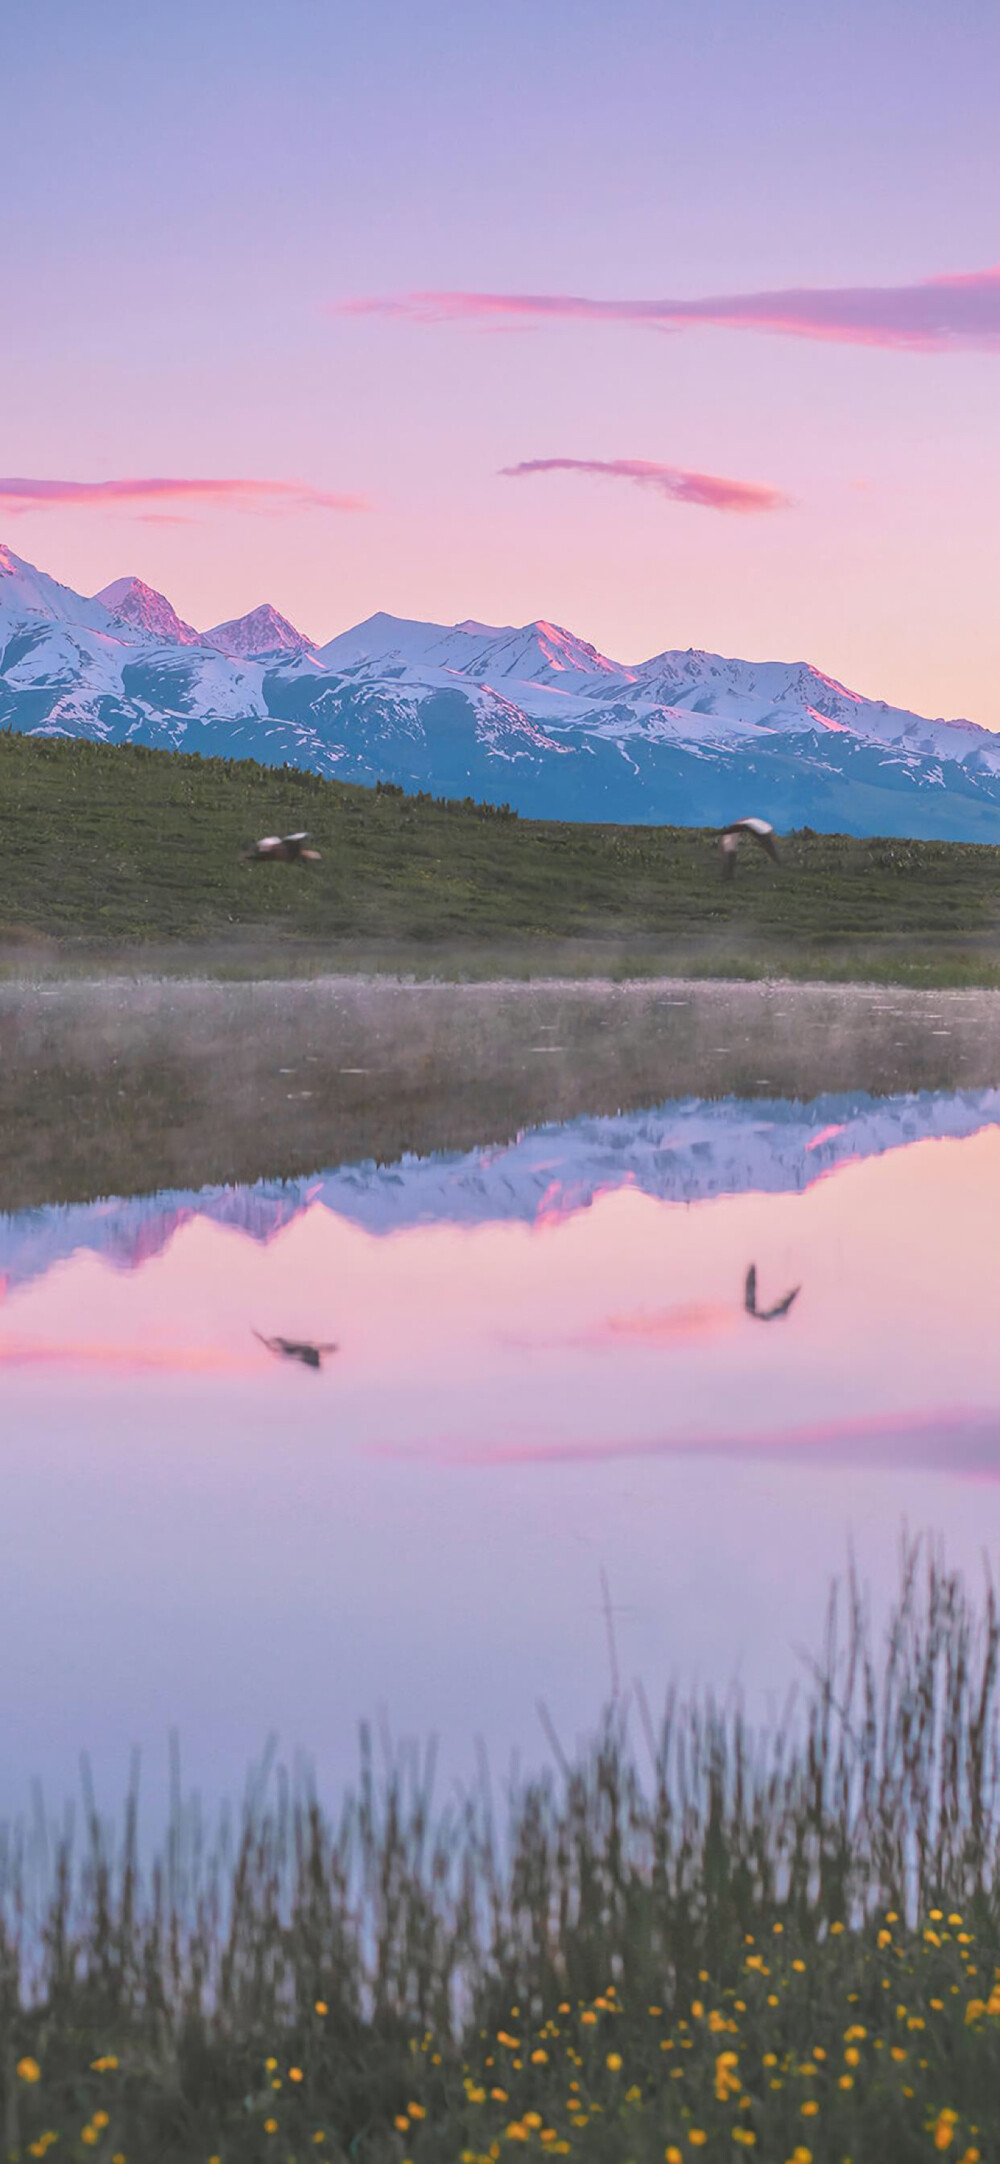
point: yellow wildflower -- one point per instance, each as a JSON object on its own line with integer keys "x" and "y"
{"x": 614, "y": 2061}
{"x": 321, "y": 2008}
{"x": 100, "y": 2119}
{"x": 587, "y": 2018}
{"x": 416, "y": 2111}
{"x": 28, "y": 2070}
{"x": 295, "y": 2073}
{"x": 539, "y": 2058}
{"x": 809, "y": 2108}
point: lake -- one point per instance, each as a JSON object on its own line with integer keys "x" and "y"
{"x": 552, "y": 1454}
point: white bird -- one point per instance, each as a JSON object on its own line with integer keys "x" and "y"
{"x": 758, "y": 830}
{"x": 283, "y": 849}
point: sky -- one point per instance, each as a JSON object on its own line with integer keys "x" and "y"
{"x": 785, "y": 445}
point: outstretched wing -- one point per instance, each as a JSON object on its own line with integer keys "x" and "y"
{"x": 781, "y": 1307}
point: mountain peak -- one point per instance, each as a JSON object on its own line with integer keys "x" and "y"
{"x": 262, "y": 631}
{"x": 133, "y": 602}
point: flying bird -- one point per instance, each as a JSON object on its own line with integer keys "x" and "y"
{"x": 765, "y": 1314}
{"x": 283, "y": 849}
{"x": 290, "y": 1348}
{"x": 758, "y": 830}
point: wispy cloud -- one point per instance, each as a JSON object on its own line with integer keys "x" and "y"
{"x": 20, "y": 495}
{"x": 710, "y": 490}
{"x": 952, "y": 1437}
{"x": 935, "y": 315}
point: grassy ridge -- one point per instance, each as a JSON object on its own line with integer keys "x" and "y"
{"x": 719, "y": 1943}
{"x": 110, "y": 846}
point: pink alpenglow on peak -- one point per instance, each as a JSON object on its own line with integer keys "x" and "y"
{"x": 133, "y": 602}
{"x": 263, "y": 631}
{"x": 710, "y": 490}
{"x": 946, "y": 313}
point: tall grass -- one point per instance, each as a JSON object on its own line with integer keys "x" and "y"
{"x": 640, "y": 1947}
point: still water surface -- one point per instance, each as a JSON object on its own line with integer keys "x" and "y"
{"x": 546, "y": 1381}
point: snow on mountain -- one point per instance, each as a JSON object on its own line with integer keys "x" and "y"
{"x": 263, "y": 631}
{"x": 131, "y": 601}
{"x": 25, "y": 591}
{"x": 538, "y": 654}
{"x": 690, "y": 1150}
{"x": 530, "y": 715}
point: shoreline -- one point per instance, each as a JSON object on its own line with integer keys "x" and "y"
{"x": 373, "y": 980}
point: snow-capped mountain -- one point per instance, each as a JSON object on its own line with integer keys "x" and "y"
{"x": 133, "y": 602}
{"x": 690, "y": 1150}
{"x": 531, "y": 716}
{"x": 264, "y": 631}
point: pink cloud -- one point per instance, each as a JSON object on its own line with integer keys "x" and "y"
{"x": 962, "y": 1440}
{"x": 935, "y": 315}
{"x": 243, "y": 495}
{"x": 710, "y": 490}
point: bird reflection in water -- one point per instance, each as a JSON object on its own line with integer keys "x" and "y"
{"x": 290, "y": 1348}
{"x": 766, "y": 1314}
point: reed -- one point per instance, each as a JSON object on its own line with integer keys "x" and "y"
{"x": 694, "y": 1935}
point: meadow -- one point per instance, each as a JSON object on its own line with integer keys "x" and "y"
{"x": 135, "y": 855}
{"x": 691, "y": 1939}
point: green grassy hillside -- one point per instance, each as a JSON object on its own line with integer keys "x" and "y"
{"x": 107, "y": 849}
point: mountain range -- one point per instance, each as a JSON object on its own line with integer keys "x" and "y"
{"x": 687, "y": 1150}
{"x": 533, "y": 717}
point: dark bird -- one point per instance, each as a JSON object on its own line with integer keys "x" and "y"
{"x": 283, "y": 849}
{"x": 290, "y": 1348}
{"x": 757, "y": 830}
{"x": 765, "y": 1314}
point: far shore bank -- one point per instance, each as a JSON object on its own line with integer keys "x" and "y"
{"x": 905, "y": 964}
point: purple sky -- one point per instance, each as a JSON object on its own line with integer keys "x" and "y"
{"x": 718, "y": 285}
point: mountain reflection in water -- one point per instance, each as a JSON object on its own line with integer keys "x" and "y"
{"x": 545, "y": 1368}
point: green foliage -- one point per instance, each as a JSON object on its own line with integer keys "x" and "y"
{"x": 780, "y": 1942}
{"x": 105, "y": 847}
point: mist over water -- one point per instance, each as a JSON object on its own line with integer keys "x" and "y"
{"x": 524, "y": 1215}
